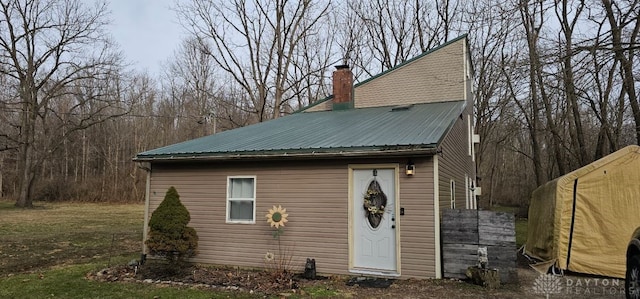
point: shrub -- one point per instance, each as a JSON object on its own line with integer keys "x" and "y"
{"x": 169, "y": 235}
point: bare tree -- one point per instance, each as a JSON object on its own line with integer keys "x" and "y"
{"x": 533, "y": 16}
{"x": 624, "y": 23}
{"x": 569, "y": 13}
{"x": 255, "y": 42}
{"x": 391, "y": 32}
{"x": 606, "y": 99}
{"x": 189, "y": 83}
{"x": 491, "y": 26}
{"x": 46, "y": 48}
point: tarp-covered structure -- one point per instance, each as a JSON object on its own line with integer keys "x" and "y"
{"x": 583, "y": 220}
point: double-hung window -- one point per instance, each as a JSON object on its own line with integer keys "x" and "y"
{"x": 241, "y": 199}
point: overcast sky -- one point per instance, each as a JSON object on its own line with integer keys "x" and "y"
{"x": 146, "y": 30}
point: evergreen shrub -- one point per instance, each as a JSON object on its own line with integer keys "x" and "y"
{"x": 169, "y": 236}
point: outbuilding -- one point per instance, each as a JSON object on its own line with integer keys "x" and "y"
{"x": 583, "y": 220}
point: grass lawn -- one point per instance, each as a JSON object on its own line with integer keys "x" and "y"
{"x": 61, "y": 233}
{"x": 69, "y": 282}
{"x": 521, "y": 232}
{"x": 521, "y": 224}
{"x": 46, "y": 252}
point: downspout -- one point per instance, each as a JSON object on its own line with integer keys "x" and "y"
{"x": 147, "y": 168}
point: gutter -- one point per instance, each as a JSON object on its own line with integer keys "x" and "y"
{"x": 293, "y": 155}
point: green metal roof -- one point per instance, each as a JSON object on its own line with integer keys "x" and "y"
{"x": 364, "y": 130}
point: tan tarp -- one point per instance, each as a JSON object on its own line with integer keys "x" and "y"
{"x": 583, "y": 220}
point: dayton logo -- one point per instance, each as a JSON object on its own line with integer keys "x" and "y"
{"x": 547, "y": 284}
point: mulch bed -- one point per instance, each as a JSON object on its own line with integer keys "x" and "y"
{"x": 204, "y": 276}
{"x": 262, "y": 283}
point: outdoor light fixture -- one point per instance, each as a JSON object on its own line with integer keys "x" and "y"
{"x": 411, "y": 168}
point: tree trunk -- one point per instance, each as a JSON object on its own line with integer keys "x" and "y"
{"x": 534, "y": 123}
{"x": 27, "y": 166}
{"x": 569, "y": 83}
{"x": 626, "y": 65}
{"x": 26, "y": 172}
{"x": 1, "y": 176}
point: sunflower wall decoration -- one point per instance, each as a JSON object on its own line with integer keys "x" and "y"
{"x": 374, "y": 203}
{"x": 277, "y": 217}
{"x": 280, "y": 262}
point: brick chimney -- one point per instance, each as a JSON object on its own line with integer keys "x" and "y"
{"x": 342, "y": 88}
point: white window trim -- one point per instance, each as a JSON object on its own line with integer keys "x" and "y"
{"x": 452, "y": 192}
{"x": 255, "y": 184}
{"x": 473, "y": 138}
{"x": 467, "y": 188}
{"x": 469, "y": 136}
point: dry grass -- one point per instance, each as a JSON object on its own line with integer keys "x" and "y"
{"x": 48, "y": 251}
{"x": 66, "y": 233}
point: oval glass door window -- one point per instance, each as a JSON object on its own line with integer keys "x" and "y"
{"x": 374, "y": 203}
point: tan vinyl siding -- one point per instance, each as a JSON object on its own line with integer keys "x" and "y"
{"x": 315, "y": 195}
{"x": 436, "y": 77}
{"x": 455, "y": 162}
{"x": 203, "y": 191}
{"x": 417, "y": 225}
{"x": 326, "y": 106}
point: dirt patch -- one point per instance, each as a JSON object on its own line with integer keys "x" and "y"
{"x": 370, "y": 282}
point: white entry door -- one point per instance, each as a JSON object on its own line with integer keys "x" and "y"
{"x": 374, "y": 223}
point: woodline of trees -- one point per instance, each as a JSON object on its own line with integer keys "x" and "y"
{"x": 556, "y": 83}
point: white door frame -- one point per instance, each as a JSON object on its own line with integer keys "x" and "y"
{"x": 396, "y": 169}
